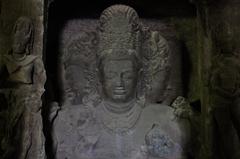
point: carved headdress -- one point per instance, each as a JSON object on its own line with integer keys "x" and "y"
{"x": 26, "y": 27}
{"x": 119, "y": 33}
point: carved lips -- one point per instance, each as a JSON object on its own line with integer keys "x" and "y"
{"x": 119, "y": 91}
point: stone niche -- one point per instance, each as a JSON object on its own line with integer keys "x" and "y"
{"x": 112, "y": 83}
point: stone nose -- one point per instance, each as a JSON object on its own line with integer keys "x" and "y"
{"x": 119, "y": 81}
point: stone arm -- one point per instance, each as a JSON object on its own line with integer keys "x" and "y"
{"x": 37, "y": 86}
{"x": 39, "y": 75}
{"x": 54, "y": 108}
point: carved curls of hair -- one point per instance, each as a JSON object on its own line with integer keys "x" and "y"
{"x": 119, "y": 10}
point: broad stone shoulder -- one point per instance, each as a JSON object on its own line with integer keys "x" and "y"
{"x": 158, "y": 112}
{"x": 70, "y": 110}
{"x": 166, "y": 127}
{"x": 29, "y": 59}
{"x": 163, "y": 116}
{"x": 158, "y": 107}
{"x": 73, "y": 117}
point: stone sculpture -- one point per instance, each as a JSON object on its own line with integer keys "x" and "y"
{"x": 78, "y": 62}
{"x": 119, "y": 123}
{"x": 225, "y": 101}
{"x": 224, "y": 87}
{"x": 78, "y": 47}
{"x": 157, "y": 57}
{"x": 23, "y": 87}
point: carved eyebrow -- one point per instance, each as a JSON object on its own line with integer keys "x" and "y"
{"x": 111, "y": 72}
{"x": 128, "y": 71}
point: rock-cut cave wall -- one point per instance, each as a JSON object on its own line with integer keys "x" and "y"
{"x": 22, "y": 78}
{"x": 206, "y": 31}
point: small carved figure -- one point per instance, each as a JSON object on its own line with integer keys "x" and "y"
{"x": 225, "y": 92}
{"x": 78, "y": 62}
{"x": 23, "y": 85}
{"x": 122, "y": 124}
{"x": 157, "y": 57}
{"x": 22, "y": 67}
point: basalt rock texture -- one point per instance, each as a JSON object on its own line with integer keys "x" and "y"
{"x": 117, "y": 119}
{"x": 218, "y": 40}
{"x": 186, "y": 48}
{"x": 22, "y": 79}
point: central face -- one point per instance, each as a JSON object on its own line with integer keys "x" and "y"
{"x": 119, "y": 79}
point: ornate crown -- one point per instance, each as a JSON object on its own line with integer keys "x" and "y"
{"x": 119, "y": 30}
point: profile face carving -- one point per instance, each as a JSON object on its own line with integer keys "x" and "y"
{"x": 119, "y": 79}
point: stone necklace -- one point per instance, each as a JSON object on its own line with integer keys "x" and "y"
{"x": 120, "y": 123}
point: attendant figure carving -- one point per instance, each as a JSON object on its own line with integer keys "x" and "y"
{"x": 23, "y": 86}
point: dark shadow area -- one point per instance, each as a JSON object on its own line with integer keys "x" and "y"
{"x": 3, "y": 102}
{"x": 196, "y": 106}
{"x": 145, "y": 8}
{"x": 186, "y": 68}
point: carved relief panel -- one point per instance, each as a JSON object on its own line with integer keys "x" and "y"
{"x": 22, "y": 85}
{"x": 110, "y": 71}
{"x": 79, "y": 41}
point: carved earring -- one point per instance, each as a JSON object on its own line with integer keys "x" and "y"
{"x": 140, "y": 85}
{"x": 99, "y": 82}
